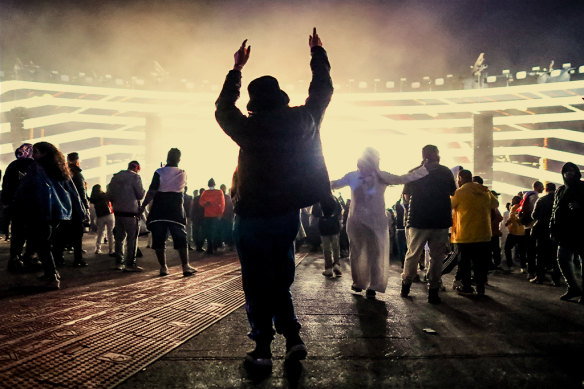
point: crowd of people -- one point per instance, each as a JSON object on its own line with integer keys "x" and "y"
{"x": 444, "y": 216}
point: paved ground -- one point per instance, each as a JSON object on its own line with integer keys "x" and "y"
{"x": 520, "y": 336}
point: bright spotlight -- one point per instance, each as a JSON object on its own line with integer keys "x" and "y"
{"x": 567, "y": 65}
{"x": 439, "y": 81}
{"x": 491, "y": 79}
{"x": 536, "y": 69}
{"x": 415, "y": 85}
{"x": 362, "y": 84}
{"x": 581, "y": 69}
{"x": 520, "y": 75}
{"x": 506, "y": 71}
{"x": 390, "y": 84}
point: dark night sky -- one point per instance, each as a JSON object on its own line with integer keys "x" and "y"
{"x": 365, "y": 39}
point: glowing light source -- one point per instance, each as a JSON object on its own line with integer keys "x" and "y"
{"x": 362, "y": 84}
{"x": 556, "y": 73}
{"x": 391, "y": 84}
{"x": 439, "y": 81}
{"x": 491, "y": 79}
{"x": 566, "y": 65}
{"x": 521, "y": 75}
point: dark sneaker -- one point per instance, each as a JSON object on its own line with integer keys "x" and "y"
{"x": 295, "y": 349}
{"x": 405, "y": 289}
{"x": 480, "y": 290}
{"x": 538, "y": 280}
{"x": 465, "y": 290}
{"x": 337, "y": 270}
{"x": 356, "y": 290}
{"x": 51, "y": 281}
{"x": 570, "y": 294}
{"x": 188, "y": 270}
{"x": 433, "y": 297}
{"x": 133, "y": 268}
{"x": 15, "y": 265}
{"x": 328, "y": 273}
{"x": 370, "y": 293}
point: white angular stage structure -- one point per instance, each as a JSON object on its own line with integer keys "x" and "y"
{"x": 535, "y": 128}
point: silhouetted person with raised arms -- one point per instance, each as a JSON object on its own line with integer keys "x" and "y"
{"x": 280, "y": 170}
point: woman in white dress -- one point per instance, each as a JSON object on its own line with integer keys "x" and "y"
{"x": 367, "y": 226}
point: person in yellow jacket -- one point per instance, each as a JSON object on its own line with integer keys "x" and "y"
{"x": 471, "y": 231}
{"x": 516, "y": 236}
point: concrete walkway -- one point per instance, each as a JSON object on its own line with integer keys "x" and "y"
{"x": 519, "y": 336}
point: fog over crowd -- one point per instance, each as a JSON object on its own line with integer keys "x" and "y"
{"x": 365, "y": 39}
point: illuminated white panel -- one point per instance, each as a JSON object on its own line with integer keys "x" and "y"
{"x": 523, "y": 170}
{"x": 60, "y": 118}
{"x": 541, "y": 152}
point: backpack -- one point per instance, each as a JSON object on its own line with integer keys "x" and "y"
{"x": 524, "y": 210}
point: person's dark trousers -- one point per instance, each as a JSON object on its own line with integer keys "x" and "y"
{"x": 517, "y": 241}
{"x": 68, "y": 231}
{"x": 42, "y": 236}
{"x": 211, "y": 232}
{"x": 17, "y": 234}
{"x": 475, "y": 257}
{"x": 496, "y": 251}
{"x": 547, "y": 252}
{"x": 402, "y": 246}
{"x": 265, "y": 246}
{"x": 198, "y": 234}
{"x": 344, "y": 242}
{"x": 566, "y": 257}
{"x": 531, "y": 252}
{"x": 227, "y": 231}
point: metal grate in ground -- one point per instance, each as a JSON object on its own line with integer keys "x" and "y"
{"x": 97, "y": 339}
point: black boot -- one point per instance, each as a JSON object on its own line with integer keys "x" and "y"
{"x": 295, "y": 348}
{"x": 405, "y": 289}
{"x": 433, "y": 297}
{"x": 261, "y": 356}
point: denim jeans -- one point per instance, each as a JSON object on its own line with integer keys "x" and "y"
{"x": 265, "y": 245}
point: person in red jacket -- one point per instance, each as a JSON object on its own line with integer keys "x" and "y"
{"x": 213, "y": 201}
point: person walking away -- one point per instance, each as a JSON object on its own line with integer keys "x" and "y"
{"x": 105, "y": 220}
{"x": 566, "y": 227}
{"x": 428, "y": 219}
{"x": 14, "y": 224}
{"x": 515, "y": 237}
{"x": 547, "y": 249}
{"x": 280, "y": 169}
{"x": 167, "y": 213}
{"x": 125, "y": 191}
{"x": 227, "y": 219}
{"x": 213, "y": 201}
{"x": 329, "y": 227}
{"x": 472, "y": 205}
{"x": 525, "y": 210}
{"x": 45, "y": 198}
{"x": 367, "y": 224}
{"x": 198, "y": 217}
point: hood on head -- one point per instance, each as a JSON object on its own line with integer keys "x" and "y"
{"x": 568, "y": 165}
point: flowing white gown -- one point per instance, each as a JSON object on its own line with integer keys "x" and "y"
{"x": 367, "y": 226}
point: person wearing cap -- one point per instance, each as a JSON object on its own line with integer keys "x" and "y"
{"x": 566, "y": 227}
{"x": 280, "y": 169}
{"x": 14, "y": 173}
{"x": 125, "y": 191}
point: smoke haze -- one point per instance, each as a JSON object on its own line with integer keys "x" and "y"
{"x": 365, "y": 39}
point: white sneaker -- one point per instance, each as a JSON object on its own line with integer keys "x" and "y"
{"x": 98, "y": 251}
{"x": 328, "y": 273}
{"x": 163, "y": 271}
{"x": 337, "y": 270}
{"x": 456, "y": 284}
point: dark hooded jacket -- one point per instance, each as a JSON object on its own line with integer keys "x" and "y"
{"x": 280, "y": 166}
{"x": 566, "y": 224}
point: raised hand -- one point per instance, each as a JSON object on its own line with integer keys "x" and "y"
{"x": 314, "y": 39}
{"x": 241, "y": 56}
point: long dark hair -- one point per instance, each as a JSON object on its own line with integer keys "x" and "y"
{"x": 52, "y": 161}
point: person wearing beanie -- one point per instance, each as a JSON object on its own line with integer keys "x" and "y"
{"x": 280, "y": 170}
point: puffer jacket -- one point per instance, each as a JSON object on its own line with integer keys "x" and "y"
{"x": 280, "y": 166}
{"x": 566, "y": 222}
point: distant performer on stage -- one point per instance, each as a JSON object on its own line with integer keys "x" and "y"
{"x": 280, "y": 170}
